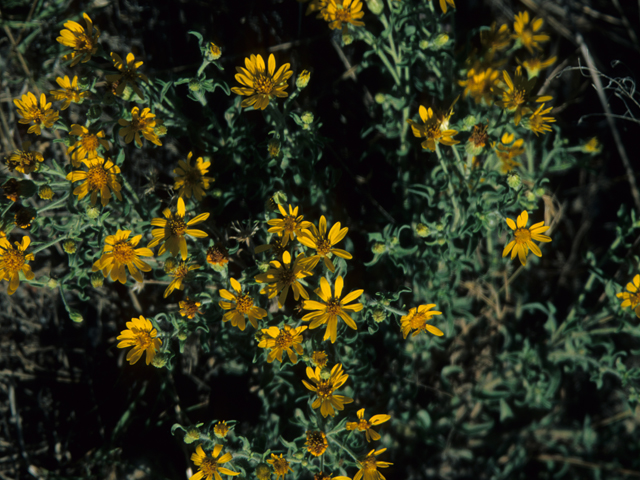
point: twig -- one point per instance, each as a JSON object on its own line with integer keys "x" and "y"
{"x": 582, "y": 463}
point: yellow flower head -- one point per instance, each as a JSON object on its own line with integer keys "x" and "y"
{"x": 189, "y": 308}
{"x": 537, "y": 122}
{"x": 592, "y": 146}
{"x": 340, "y": 13}
{"x": 214, "y": 51}
{"x": 280, "y": 465}
{"x": 290, "y": 225}
{"x": 192, "y": 180}
{"x": 533, "y": 66}
{"x": 523, "y": 242}
{"x": 496, "y": 39}
{"x": 327, "y": 313}
{"x": 87, "y": 144}
{"x": 69, "y": 92}
{"x": 84, "y": 43}
{"x": 181, "y": 273}
{"x": 323, "y": 243}
{"x": 324, "y": 389}
{"x": 432, "y": 130}
{"x": 13, "y": 260}
{"x": 140, "y": 335}
{"x": 507, "y": 150}
{"x": 100, "y": 178}
{"x": 128, "y": 75}
{"x": 25, "y": 160}
{"x": 239, "y": 305}
{"x": 173, "y": 230}
{"x": 479, "y": 84}
{"x": 278, "y": 341}
{"x": 118, "y": 253}
{"x": 363, "y": 425}
{"x": 316, "y": 442}
{"x": 218, "y": 256}
{"x": 478, "y": 139}
{"x": 141, "y": 123}
{"x": 41, "y": 116}
{"x": 518, "y": 95}
{"x": 263, "y": 471}
{"x": 303, "y": 79}
{"x": 525, "y": 32}
{"x": 444, "y": 3}
{"x": 631, "y": 298}
{"x": 369, "y": 466}
{"x": 220, "y": 429}
{"x": 283, "y": 276}
{"x": 319, "y": 359}
{"x": 209, "y": 465}
{"x": 417, "y": 319}
{"x": 261, "y": 83}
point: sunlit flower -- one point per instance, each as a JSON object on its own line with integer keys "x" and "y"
{"x": 189, "y": 308}
{"x": 507, "y": 150}
{"x": 276, "y": 246}
{"x": 218, "y": 256}
{"x": 479, "y": 84}
{"x": 128, "y": 75}
{"x": 290, "y": 225}
{"x": 523, "y": 242}
{"x": 140, "y": 123}
{"x": 69, "y": 92}
{"x": 260, "y": 83}
{"x": 496, "y": 39}
{"x": 25, "y": 160}
{"x": 239, "y": 305}
{"x": 631, "y": 298}
{"x": 45, "y": 192}
{"x": 278, "y": 341}
{"x": 173, "y": 230}
{"x": 525, "y": 32}
{"x": 100, "y": 178}
{"x": 209, "y": 466}
{"x": 86, "y": 145}
{"x": 340, "y": 13}
{"x": 319, "y": 359}
{"x": 41, "y": 116}
{"x": 324, "y": 388}
{"x": 13, "y": 260}
{"x": 369, "y": 466}
{"x": 316, "y": 442}
{"x": 181, "y": 273}
{"x": 533, "y": 66}
{"x": 323, "y": 243}
{"x": 417, "y": 319}
{"x": 119, "y": 253}
{"x": 84, "y": 43}
{"x": 280, "y": 465}
{"x": 140, "y": 335}
{"x": 518, "y": 95}
{"x": 283, "y": 276}
{"x": 192, "y": 180}
{"x": 432, "y": 130}
{"x": 537, "y": 122}
{"x": 366, "y": 426}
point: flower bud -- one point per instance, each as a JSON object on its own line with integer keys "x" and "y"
{"x": 379, "y": 315}
{"x": 192, "y": 435}
{"x": 45, "y": 192}
{"x": 378, "y": 248}
{"x": 307, "y": 118}
{"x": 422, "y": 230}
{"x": 347, "y": 39}
{"x": 214, "y": 51}
{"x": 303, "y": 79}
{"x": 376, "y": 6}
{"x": 75, "y": 316}
{"x": 97, "y": 279}
{"x": 159, "y": 360}
{"x": 513, "y": 180}
{"x": 69, "y": 246}
{"x": 93, "y": 212}
{"x": 52, "y": 283}
{"x": 380, "y": 98}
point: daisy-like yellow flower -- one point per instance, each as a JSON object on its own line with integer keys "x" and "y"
{"x": 324, "y": 389}
{"x": 140, "y": 335}
{"x": 209, "y": 466}
{"x": 533, "y": 66}
{"x": 13, "y": 260}
{"x": 341, "y": 13}
{"x": 192, "y": 180}
{"x": 319, "y": 359}
{"x": 363, "y": 425}
{"x": 290, "y": 225}
{"x": 432, "y": 130}
{"x": 323, "y": 243}
{"x": 189, "y": 308}
{"x": 496, "y": 39}
{"x": 280, "y": 465}
{"x": 283, "y": 276}
{"x": 84, "y": 43}
{"x": 218, "y": 256}
{"x": 141, "y": 123}
{"x": 181, "y": 273}
{"x": 538, "y": 122}
{"x": 220, "y": 429}
{"x": 417, "y": 319}
{"x": 86, "y": 145}
{"x": 631, "y": 298}
{"x": 128, "y": 75}
{"x": 173, "y": 230}
{"x": 517, "y": 97}
{"x": 479, "y": 84}
{"x": 261, "y": 83}
{"x": 25, "y": 160}
{"x": 119, "y": 252}
{"x": 478, "y": 139}
{"x": 369, "y": 466}
{"x": 239, "y": 305}
{"x": 41, "y": 116}
{"x": 327, "y": 313}
{"x": 507, "y": 150}
{"x": 278, "y": 341}
{"x": 316, "y": 442}
{"x": 69, "y": 92}
{"x": 100, "y": 178}
{"x": 523, "y": 242}
{"x": 525, "y": 33}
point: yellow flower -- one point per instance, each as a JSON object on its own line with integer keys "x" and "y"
{"x": 477, "y": 140}
{"x": 324, "y": 389}
{"x": 43, "y": 115}
{"x": 140, "y": 335}
{"x": 525, "y": 32}
{"x": 339, "y": 13}
{"x": 363, "y": 425}
{"x": 86, "y": 145}
{"x": 13, "y": 261}
{"x": 84, "y": 44}
{"x": 369, "y": 466}
{"x": 189, "y": 308}
{"x": 319, "y": 359}
{"x": 141, "y": 123}
{"x": 316, "y": 442}
{"x": 522, "y": 243}
{"x": 119, "y": 252}
{"x": 507, "y": 150}
{"x": 180, "y": 273}
{"x": 277, "y": 341}
{"x": 494, "y": 39}
{"x": 518, "y": 95}
{"x": 322, "y": 243}
{"x": 443, "y": 5}
{"x": 261, "y": 83}
{"x": 533, "y": 66}
{"x": 282, "y": 276}
{"x": 173, "y": 230}
{"x": 240, "y": 304}
{"x": 218, "y": 256}
{"x": 128, "y": 74}
{"x": 417, "y": 319}
{"x": 69, "y": 93}
{"x": 280, "y": 465}
{"x": 631, "y": 298}
{"x": 191, "y": 179}
{"x": 263, "y": 471}
{"x": 221, "y": 429}
{"x": 25, "y": 160}
{"x": 538, "y": 123}
{"x": 303, "y": 79}
{"x": 432, "y": 130}
{"x": 214, "y": 51}
{"x": 209, "y": 466}
{"x": 592, "y": 146}
{"x": 479, "y": 84}
{"x": 290, "y": 225}
{"x": 100, "y": 178}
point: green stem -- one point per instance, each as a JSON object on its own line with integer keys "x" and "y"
{"x": 394, "y": 310}
{"x": 47, "y": 245}
{"x": 452, "y": 196}
{"x": 344, "y": 448}
{"x": 55, "y": 204}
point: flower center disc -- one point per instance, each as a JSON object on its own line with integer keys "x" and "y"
{"x": 13, "y": 260}
{"x": 177, "y": 226}
{"x": 333, "y": 307}
{"x": 90, "y": 142}
{"x": 97, "y": 178}
{"x": 244, "y": 303}
{"x": 123, "y": 252}
{"x": 324, "y": 247}
{"x": 523, "y": 235}
{"x": 325, "y": 389}
{"x": 284, "y": 340}
{"x": 263, "y": 84}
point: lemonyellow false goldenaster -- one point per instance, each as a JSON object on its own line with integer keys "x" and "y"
{"x": 631, "y": 298}
{"x": 13, "y": 260}
{"x": 526, "y": 33}
{"x": 290, "y": 225}
{"x": 369, "y": 466}
{"x": 517, "y": 97}
{"x": 86, "y": 145}
{"x": 340, "y": 13}
{"x": 141, "y": 335}
{"x": 192, "y": 180}
{"x": 260, "y": 82}
{"x": 280, "y": 465}
{"x": 209, "y": 466}
{"x": 324, "y": 388}
{"x": 417, "y": 319}
{"x": 523, "y": 242}
{"x": 84, "y": 43}
{"x": 141, "y": 123}
{"x": 118, "y": 253}
{"x": 100, "y": 178}
{"x": 25, "y": 160}
{"x": 180, "y": 273}
{"x": 363, "y": 425}
{"x": 433, "y": 130}
{"x": 278, "y": 341}
{"x": 128, "y": 74}
{"x": 316, "y": 442}
{"x": 283, "y": 276}
{"x": 239, "y": 305}
{"x": 323, "y": 243}
{"x": 69, "y": 92}
{"x": 41, "y": 116}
